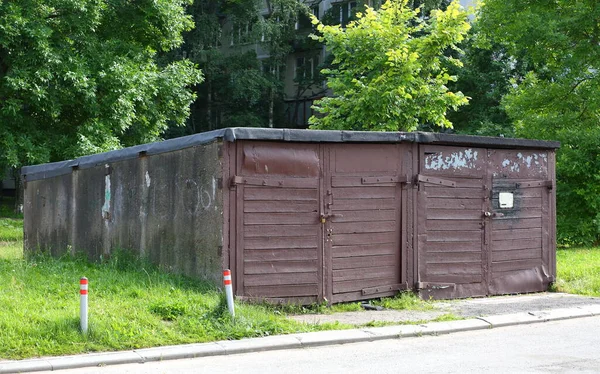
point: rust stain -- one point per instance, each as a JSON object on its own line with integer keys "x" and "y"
{"x": 292, "y": 160}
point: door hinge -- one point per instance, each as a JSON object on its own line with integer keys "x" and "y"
{"x": 385, "y": 179}
{"x": 547, "y": 184}
{"x": 275, "y": 182}
{"x": 433, "y": 180}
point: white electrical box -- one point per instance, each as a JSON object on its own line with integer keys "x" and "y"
{"x": 506, "y": 200}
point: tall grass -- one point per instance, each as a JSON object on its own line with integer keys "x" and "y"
{"x": 11, "y": 231}
{"x": 578, "y": 271}
{"x": 131, "y": 303}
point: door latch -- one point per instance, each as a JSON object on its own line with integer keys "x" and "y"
{"x": 324, "y": 217}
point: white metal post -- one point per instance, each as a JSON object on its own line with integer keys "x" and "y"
{"x": 228, "y": 291}
{"x": 83, "y": 304}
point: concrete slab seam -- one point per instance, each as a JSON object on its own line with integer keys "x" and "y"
{"x": 120, "y": 358}
{"x": 562, "y": 314}
{"x": 181, "y": 352}
{"x": 440, "y": 328}
{"x": 375, "y": 337}
{"x": 343, "y": 337}
{"x": 270, "y": 343}
{"x": 594, "y": 309}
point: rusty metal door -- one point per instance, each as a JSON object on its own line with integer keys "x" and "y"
{"x": 362, "y": 221}
{"x": 520, "y": 227}
{"x": 452, "y": 260}
{"x": 484, "y": 222}
{"x": 278, "y": 232}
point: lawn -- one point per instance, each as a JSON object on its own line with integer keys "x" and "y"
{"x": 578, "y": 271}
{"x": 133, "y": 304}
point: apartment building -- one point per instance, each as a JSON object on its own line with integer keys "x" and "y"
{"x": 300, "y": 73}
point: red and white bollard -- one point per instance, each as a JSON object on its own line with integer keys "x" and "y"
{"x": 228, "y": 291}
{"x": 83, "y": 304}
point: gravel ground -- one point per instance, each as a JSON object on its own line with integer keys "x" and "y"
{"x": 465, "y": 308}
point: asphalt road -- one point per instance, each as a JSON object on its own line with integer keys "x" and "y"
{"x": 552, "y": 347}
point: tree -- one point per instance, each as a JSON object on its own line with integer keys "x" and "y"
{"x": 559, "y": 97}
{"x": 81, "y": 76}
{"x": 389, "y": 69}
{"x": 240, "y": 89}
{"x": 485, "y": 78}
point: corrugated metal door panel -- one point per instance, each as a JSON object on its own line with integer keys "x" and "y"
{"x": 452, "y": 258}
{"x": 362, "y": 209}
{"x": 520, "y": 242}
{"x": 280, "y": 229}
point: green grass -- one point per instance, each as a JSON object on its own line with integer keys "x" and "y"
{"x": 7, "y": 208}
{"x": 443, "y": 318}
{"x": 11, "y": 231}
{"x": 132, "y": 305}
{"x": 578, "y": 271}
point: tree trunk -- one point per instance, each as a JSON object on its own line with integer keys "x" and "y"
{"x": 18, "y": 191}
{"x": 271, "y": 106}
{"x": 209, "y": 105}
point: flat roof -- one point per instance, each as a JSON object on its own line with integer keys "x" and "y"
{"x": 233, "y": 134}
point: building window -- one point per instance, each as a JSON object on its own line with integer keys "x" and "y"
{"x": 241, "y": 33}
{"x": 299, "y": 71}
{"x": 343, "y": 12}
{"x": 269, "y": 68}
{"x": 307, "y": 67}
{"x": 314, "y": 9}
{"x": 375, "y": 4}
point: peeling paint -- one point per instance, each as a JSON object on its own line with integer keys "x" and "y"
{"x": 456, "y": 160}
{"x": 535, "y": 161}
{"x": 106, "y": 206}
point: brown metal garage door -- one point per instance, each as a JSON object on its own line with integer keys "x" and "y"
{"x": 278, "y": 236}
{"x": 472, "y": 240}
{"x": 519, "y": 240}
{"x": 362, "y": 211}
{"x": 318, "y": 222}
{"x": 452, "y": 260}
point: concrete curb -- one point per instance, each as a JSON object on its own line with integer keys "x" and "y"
{"x": 313, "y": 339}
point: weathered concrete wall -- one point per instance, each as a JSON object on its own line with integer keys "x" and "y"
{"x": 46, "y": 209}
{"x": 167, "y": 207}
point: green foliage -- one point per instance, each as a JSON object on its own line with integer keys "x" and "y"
{"x": 239, "y": 89}
{"x": 389, "y": 71}
{"x": 168, "y": 310}
{"x": 559, "y": 97}
{"x": 578, "y": 271}
{"x": 484, "y": 78}
{"x": 78, "y": 77}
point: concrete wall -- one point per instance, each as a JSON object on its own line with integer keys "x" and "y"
{"x": 167, "y": 207}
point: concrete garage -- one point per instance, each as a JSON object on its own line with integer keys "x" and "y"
{"x": 304, "y": 216}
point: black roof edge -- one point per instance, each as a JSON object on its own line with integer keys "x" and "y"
{"x": 42, "y": 171}
{"x": 495, "y": 142}
{"x": 35, "y": 172}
